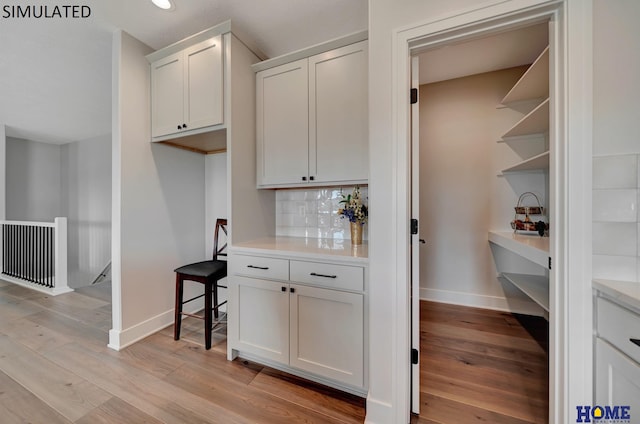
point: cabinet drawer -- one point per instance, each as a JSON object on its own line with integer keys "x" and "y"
{"x": 618, "y": 326}
{"x": 261, "y": 267}
{"x": 328, "y": 275}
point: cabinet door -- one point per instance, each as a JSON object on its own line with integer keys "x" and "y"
{"x": 204, "y": 85}
{"x": 167, "y": 95}
{"x": 338, "y": 136}
{"x": 262, "y": 317}
{"x": 282, "y": 124}
{"x": 327, "y": 331}
{"x": 617, "y": 379}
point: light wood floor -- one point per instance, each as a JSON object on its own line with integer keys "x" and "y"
{"x": 483, "y": 366}
{"x": 55, "y": 368}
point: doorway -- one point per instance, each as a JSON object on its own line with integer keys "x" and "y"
{"x": 464, "y": 194}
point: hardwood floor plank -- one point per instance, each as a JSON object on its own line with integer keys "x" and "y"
{"x": 445, "y": 411}
{"x": 149, "y": 394}
{"x": 72, "y": 329}
{"x": 14, "y": 308}
{"x": 510, "y": 403}
{"x": 331, "y": 402}
{"x": 238, "y": 370}
{"x": 67, "y": 393}
{"x": 117, "y": 411}
{"x": 18, "y": 405}
{"x": 33, "y": 335}
{"x": 487, "y": 349}
{"x": 528, "y": 344}
{"x": 145, "y": 357}
{"x": 255, "y": 405}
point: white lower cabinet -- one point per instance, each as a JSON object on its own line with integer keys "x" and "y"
{"x": 617, "y": 379}
{"x": 617, "y": 356}
{"x": 314, "y": 328}
{"x": 263, "y": 317}
{"x": 327, "y": 330}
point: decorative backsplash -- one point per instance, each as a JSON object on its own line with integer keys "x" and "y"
{"x": 314, "y": 213}
{"x": 616, "y": 219}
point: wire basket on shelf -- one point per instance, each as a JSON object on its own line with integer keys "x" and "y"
{"x": 526, "y": 224}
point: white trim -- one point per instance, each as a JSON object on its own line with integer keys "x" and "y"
{"x": 60, "y": 254}
{"x": 116, "y": 193}
{"x": 496, "y": 303}
{"x": 306, "y": 52}
{"x": 378, "y": 412}
{"x": 3, "y": 175}
{"x": 53, "y": 291}
{"x": 30, "y": 223}
{"x": 575, "y": 302}
{"x": 118, "y": 340}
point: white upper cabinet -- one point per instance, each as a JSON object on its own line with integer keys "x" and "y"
{"x": 283, "y": 124}
{"x": 338, "y": 136}
{"x": 187, "y": 90}
{"x": 312, "y": 120}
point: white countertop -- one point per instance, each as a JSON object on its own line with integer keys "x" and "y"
{"x": 626, "y": 292}
{"x": 306, "y": 248}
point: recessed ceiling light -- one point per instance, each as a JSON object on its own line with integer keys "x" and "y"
{"x": 163, "y": 4}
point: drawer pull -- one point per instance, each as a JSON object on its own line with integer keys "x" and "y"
{"x": 313, "y": 274}
{"x": 635, "y": 341}
{"x": 258, "y": 267}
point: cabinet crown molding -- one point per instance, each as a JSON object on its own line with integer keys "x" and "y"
{"x": 206, "y": 34}
{"x": 312, "y": 50}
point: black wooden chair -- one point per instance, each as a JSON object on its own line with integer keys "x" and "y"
{"x": 207, "y": 273}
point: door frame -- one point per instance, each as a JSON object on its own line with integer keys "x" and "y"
{"x": 571, "y": 372}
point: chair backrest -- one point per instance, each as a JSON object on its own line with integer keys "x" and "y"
{"x": 218, "y": 249}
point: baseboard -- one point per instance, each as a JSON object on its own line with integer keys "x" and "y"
{"x": 378, "y": 412}
{"x": 517, "y": 306}
{"x": 53, "y": 291}
{"x": 119, "y": 339}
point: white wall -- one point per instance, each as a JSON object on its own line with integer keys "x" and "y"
{"x": 3, "y": 175}
{"x": 34, "y": 183}
{"x": 86, "y": 180}
{"x": 215, "y": 196}
{"x": 462, "y": 196}
{"x": 158, "y": 204}
{"x": 616, "y": 140}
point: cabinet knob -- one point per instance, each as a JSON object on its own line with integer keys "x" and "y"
{"x": 311, "y": 178}
{"x": 292, "y": 290}
{"x": 304, "y": 178}
{"x": 184, "y": 125}
{"x": 179, "y": 127}
{"x": 283, "y": 288}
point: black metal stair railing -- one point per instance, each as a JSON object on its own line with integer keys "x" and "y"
{"x": 28, "y": 252}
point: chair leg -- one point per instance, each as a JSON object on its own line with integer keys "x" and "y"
{"x": 215, "y": 299}
{"x": 207, "y": 314}
{"x": 177, "y": 323}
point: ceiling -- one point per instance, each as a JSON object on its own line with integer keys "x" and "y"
{"x": 485, "y": 54}
{"x": 56, "y": 73}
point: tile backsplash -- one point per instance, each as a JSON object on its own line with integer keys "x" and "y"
{"x": 616, "y": 219}
{"x": 314, "y": 212}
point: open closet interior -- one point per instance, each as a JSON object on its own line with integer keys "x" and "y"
{"x": 484, "y": 198}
